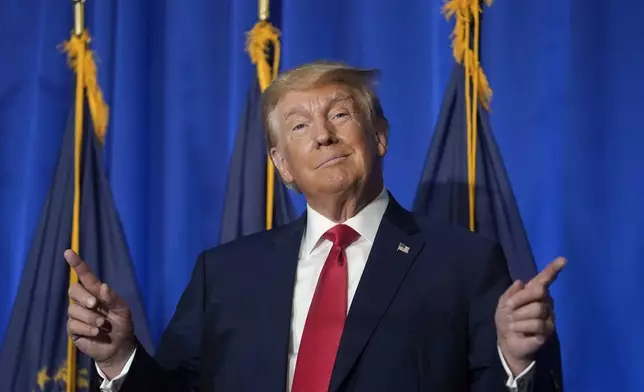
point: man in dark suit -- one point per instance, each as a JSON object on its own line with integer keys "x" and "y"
{"x": 357, "y": 295}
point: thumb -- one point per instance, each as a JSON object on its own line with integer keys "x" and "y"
{"x": 111, "y": 300}
{"x": 107, "y": 295}
{"x": 515, "y": 288}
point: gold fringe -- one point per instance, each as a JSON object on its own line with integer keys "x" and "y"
{"x": 97, "y": 106}
{"x": 258, "y": 44}
{"x": 467, "y": 15}
{"x": 463, "y": 11}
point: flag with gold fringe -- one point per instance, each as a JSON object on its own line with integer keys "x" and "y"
{"x": 464, "y": 181}
{"x": 79, "y": 213}
{"x": 444, "y": 190}
{"x": 255, "y": 201}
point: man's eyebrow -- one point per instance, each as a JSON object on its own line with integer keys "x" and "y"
{"x": 337, "y": 97}
{"x": 295, "y": 111}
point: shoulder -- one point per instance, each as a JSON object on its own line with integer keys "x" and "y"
{"x": 240, "y": 245}
{"x": 456, "y": 250}
{"x": 451, "y": 236}
{"x": 247, "y": 249}
{"x": 230, "y": 269}
{"x": 440, "y": 236}
{"x": 462, "y": 260}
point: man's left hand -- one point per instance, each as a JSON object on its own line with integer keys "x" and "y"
{"x": 525, "y": 318}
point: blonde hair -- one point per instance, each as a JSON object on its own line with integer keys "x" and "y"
{"x": 360, "y": 83}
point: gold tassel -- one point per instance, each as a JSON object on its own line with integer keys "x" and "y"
{"x": 258, "y": 43}
{"x": 463, "y": 11}
{"x": 467, "y": 15}
{"x": 97, "y": 106}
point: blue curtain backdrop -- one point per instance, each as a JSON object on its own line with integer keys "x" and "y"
{"x": 569, "y": 90}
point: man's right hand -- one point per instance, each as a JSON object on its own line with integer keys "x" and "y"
{"x": 99, "y": 322}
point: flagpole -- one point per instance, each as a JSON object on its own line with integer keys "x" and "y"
{"x": 79, "y": 29}
{"x": 258, "y": 43}
{"x": 81, "y": 59}
{"x": 263, "y": 11}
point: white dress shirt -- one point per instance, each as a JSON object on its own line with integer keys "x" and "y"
{"x": 313, "y": 253}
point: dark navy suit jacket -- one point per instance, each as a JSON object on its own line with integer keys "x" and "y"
{"x": 420, "y": 321}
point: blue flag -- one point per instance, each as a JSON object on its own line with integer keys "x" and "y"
{"x": 34, "y": 353}
{"x": 443, "y": 189}
{"x": 443, "y": 195}
{"x": 245, "y": 203}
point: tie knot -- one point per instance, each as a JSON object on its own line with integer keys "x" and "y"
{"x": 341, "y": 235}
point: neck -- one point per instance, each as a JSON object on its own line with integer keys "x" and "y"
{"x": 347, "y": 203}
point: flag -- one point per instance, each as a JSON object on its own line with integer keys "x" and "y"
{"x": 254, "y": 200}
{"x": 443, "y": 193}
{"x": 245, "y": 203}
{"x": 34, "y": 356}
{"x": 443, "y": 190}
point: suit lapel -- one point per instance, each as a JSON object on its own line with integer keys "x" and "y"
{"x": 275, "y": 291}
{"x": 393, "y": 253}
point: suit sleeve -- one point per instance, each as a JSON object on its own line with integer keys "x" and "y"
{"x": 548, "y": 375}
{"x": 176, "y": 366}
{"x": 488, "y": 281}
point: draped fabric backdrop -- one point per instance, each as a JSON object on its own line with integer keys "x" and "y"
{"x": 568, "y": 88}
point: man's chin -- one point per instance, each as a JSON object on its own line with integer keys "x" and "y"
{"x": 338, "y": 185}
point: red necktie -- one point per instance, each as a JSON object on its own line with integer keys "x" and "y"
{"x": 325, "y": 320}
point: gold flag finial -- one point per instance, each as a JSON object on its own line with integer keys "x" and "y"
{"x": 263, "y": 9}
{"x": 79, "y": 17}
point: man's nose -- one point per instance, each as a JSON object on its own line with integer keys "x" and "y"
{"x": 325, "y": 134}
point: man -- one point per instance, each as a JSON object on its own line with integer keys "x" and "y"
{"x": 357, "y": 295}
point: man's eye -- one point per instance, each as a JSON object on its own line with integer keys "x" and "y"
{"x": 298, "y": 127}
{"x": 340, "y": 115}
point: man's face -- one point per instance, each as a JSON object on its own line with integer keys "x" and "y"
{"x": 324, "y": 144}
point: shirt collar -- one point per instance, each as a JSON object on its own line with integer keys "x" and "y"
{"x": 365, "y": 222}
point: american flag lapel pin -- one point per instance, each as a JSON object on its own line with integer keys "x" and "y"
{"x": 403, "y": 248}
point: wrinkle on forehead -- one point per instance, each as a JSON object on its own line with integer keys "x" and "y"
{"x": 318, "y": 102}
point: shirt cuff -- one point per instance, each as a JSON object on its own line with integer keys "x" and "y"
{"x": 513, "y": 382}
{"x": 114, "y": 384}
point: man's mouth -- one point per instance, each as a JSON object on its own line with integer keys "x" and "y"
{"x": 333, "y": 160}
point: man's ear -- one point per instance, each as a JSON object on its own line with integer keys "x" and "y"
{"x": 281, "y": 164}
{"x": 382, "y": 136}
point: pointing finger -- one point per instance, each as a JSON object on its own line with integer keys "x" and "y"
{"x": 549, "y": 274}
{"x": 85, "y": 275}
